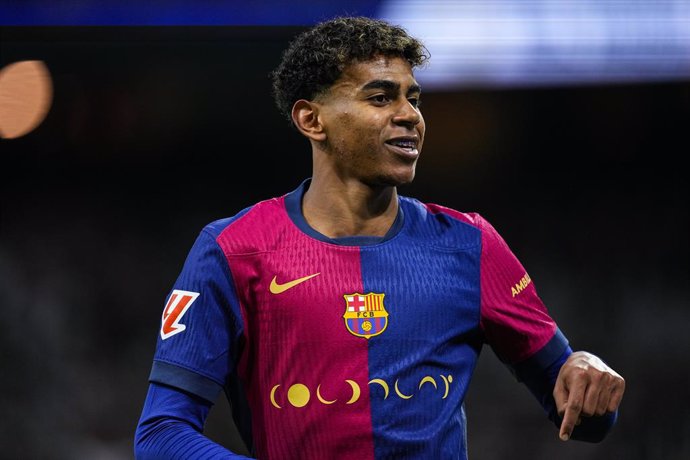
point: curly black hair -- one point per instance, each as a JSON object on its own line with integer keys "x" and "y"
{"x": 315, "y": 59}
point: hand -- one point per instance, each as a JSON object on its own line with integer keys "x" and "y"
{"x": 585, "y": 387}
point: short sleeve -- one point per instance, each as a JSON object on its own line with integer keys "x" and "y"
{"x": 197, "y": 343}
{"x": 514, "y": 319}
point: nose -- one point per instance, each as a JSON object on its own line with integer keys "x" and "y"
{"x": 407, "y": 115}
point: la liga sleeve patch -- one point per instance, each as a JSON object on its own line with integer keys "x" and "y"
{"x": 177, "y": 305}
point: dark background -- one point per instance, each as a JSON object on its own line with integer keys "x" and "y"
{"x": 155, "y": 132}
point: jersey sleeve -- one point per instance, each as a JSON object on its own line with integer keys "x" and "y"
{"x": 518, "y": 327}
{"x": 170, "y": 428}
{"x": 201, "y": 325}
{"x": 515, "y": 322}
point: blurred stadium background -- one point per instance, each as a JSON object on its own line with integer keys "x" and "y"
{"x": 564, "y": 122}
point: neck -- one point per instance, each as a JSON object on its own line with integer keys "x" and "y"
{"x": 338, "y": 208}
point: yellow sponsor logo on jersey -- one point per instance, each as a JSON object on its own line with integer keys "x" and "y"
{"x": 278, "y": 288}
{"x": 521, "y": 286}
{"x": 299, "y": 394}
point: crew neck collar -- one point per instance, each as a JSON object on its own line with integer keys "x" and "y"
{"x": 293, "y": 204}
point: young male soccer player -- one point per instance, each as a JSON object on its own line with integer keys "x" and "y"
{"x": 342, "y": 319}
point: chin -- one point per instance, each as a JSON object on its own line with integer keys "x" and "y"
{"x": 406, "y": 178}
{"x": 397, "y": 181}
{"x": 392, "y": 177}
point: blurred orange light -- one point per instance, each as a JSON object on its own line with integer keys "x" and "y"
{"x": 26, "y": 94}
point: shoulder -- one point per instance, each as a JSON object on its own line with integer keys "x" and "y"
{"x": 450, "y": 225}
{"x": 252, "y": 229}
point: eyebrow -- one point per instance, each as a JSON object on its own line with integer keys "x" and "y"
{"x": 390, "y": 86}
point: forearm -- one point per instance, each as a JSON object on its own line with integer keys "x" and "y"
{"x": 172, "y": 439}
{"x": 170, "y": 428}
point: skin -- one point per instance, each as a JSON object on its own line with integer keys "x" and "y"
{"x": 355, "y": 168}
{"x": 585, "y": 387}
{"x": 353, "y": 191}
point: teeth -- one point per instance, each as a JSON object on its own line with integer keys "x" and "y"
{"x": 404, "y": 144}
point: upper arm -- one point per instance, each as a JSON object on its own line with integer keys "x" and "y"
{"x": 514, "y": 319}
{"x": 198, "y": 344}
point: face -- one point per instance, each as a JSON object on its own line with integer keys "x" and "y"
{"x": 374, "y": 129}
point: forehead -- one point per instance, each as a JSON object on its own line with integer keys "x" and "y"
{"x": 359, "y": 73}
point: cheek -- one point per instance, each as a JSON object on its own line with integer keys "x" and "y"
{"x": 421, "y": 129}
{"x": 346, "y": 126}
{"x": 357, "y": 131}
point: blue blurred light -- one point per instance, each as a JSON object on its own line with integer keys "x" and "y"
{"x": 177, "y": 12}
{"x": 494, "y": 43}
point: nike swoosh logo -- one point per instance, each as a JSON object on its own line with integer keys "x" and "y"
{"x": 276, "y": 288}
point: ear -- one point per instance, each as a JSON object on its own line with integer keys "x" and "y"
{"x": 305, "y": 115}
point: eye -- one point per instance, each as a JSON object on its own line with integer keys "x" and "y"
{"x": 415, "y": 102}
{"x": 380, "y": 99}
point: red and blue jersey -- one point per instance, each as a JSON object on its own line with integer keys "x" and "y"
{"x": 358, "y": 347}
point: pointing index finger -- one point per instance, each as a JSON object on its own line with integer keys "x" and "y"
{"x": 573, "y": 408}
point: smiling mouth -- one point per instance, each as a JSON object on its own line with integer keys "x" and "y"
{"x": 407, "y": 146}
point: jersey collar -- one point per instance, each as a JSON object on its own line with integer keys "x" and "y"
{"x": 293, "y": 204}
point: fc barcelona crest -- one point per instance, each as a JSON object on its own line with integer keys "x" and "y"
{"x": 365, "y": 316}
